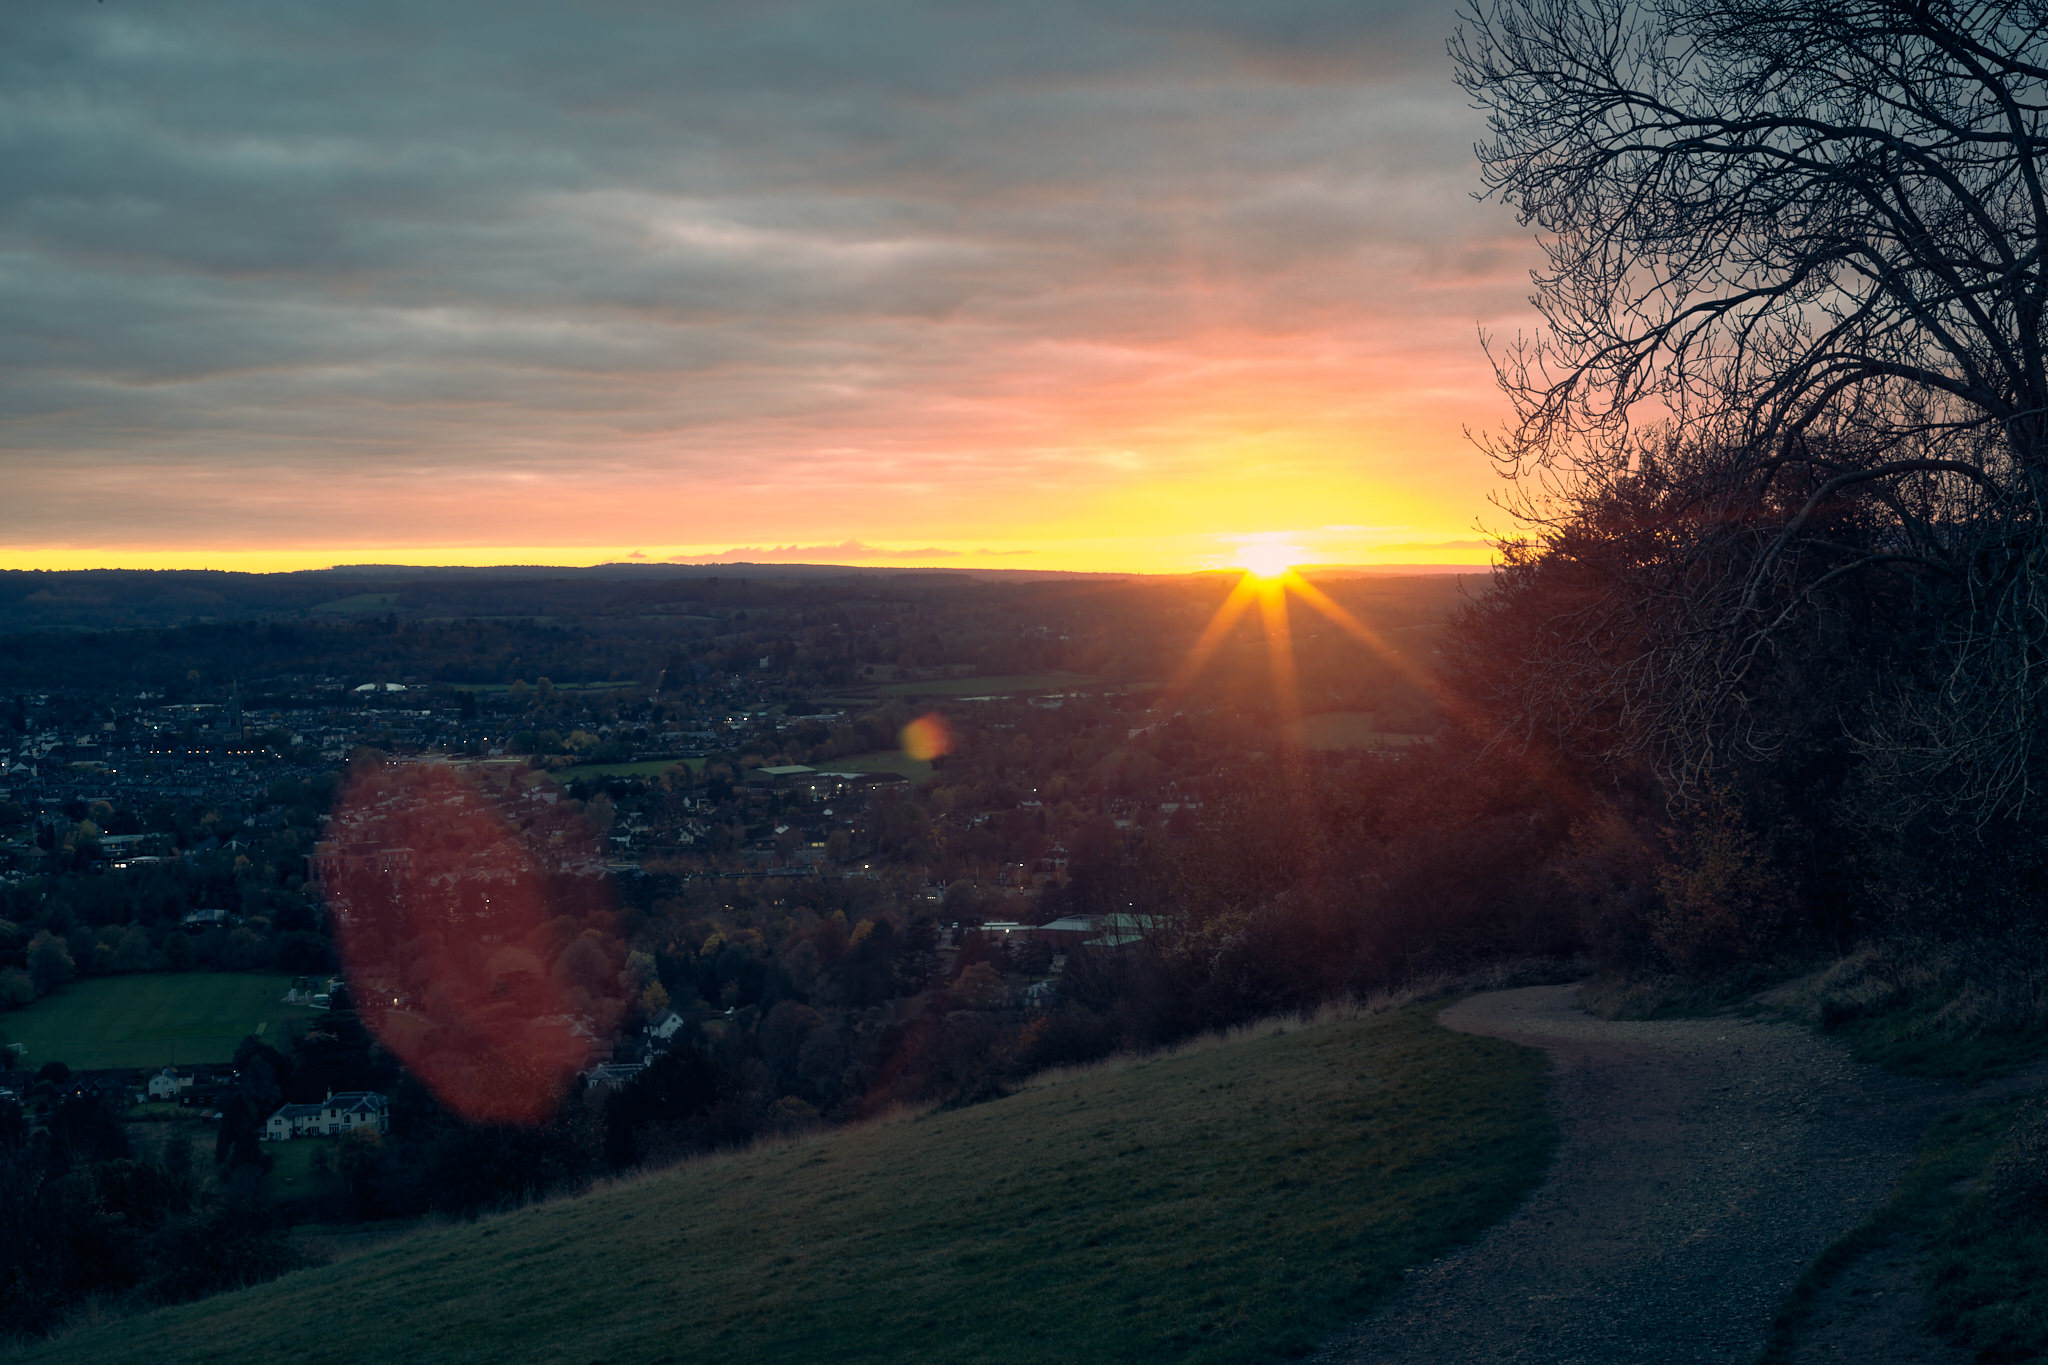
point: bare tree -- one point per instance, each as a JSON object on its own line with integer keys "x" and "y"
{"x": 1794, "y": 277}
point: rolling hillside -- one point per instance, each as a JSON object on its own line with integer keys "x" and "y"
{"x": 1234, "y": 1202}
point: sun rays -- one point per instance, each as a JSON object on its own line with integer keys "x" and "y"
{"x": 1268, "y": 581}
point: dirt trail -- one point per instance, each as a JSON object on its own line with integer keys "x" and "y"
{"x": 1703, "y": 1163}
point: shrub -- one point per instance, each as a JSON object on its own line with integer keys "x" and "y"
{"x": 1724, "y": 903}
{"x": 2019, "y": 1173}
{"x": 17, "y": 988}
{"x": 49, "y": 962}
{"x": 237, "y": 1243}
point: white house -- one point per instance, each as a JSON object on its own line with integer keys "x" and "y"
{"x": 312, "y": 990}
{"x": 166, "y": 1084}
{"x": 347, "y": 1111}
{"x": 292, "y": 1120}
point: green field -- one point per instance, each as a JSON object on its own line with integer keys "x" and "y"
{"x": 1347, "y": 730}
{"x": 877, "y": 761}
{"x": 991, "y": 687}
{"x": 1232, "y": 1203}
{"x": 291, "y": 1165}
{"x": 646, "y": 768}
{"x": 158, "y": 1019}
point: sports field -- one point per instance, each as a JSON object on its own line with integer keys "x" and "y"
{"x": 1347, "y": 730}
{"x": 1006, "y": 685}
{"x": 150, "y": 1020}
{"x": 646, "y": 767}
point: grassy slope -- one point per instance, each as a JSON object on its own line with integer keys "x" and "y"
{"x": 1234, "y": 1203}
{"x": 1987, "y": 1273}
{"x": 1986, "y": 1270}
{"x": 156, "y": 1019}
{"x": 1911, "y": 1042}
{"x": 1953, "y": 1151}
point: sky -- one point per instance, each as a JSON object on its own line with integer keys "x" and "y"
{"x": 1115, "y": 284}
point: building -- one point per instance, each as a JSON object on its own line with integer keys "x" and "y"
{"x": 347, "y": 1111}
{"x": 612, "y": 1075}
{"x": 166, "y": 1084}
{"x": 1069, "y": 930}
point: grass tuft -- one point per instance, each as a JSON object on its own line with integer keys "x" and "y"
{"x": 1987, "y": 1269}
{"x": 1621, "y": 996}
{"x": 1927, "y": 1012}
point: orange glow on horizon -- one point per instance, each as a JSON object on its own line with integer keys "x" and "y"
{"x": 1132, "y": 554}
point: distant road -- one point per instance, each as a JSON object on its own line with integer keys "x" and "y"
{"x": 1703, "y": 1164}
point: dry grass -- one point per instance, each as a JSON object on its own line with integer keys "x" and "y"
{"x": 1929, "y": 1011}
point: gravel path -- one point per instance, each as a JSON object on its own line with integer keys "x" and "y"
{"x": 1703, "y": 1163}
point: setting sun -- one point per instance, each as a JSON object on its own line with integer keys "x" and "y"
{"x": 1266, "y": 559}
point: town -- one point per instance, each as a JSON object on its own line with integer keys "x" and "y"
{"x": 754, "y": 857}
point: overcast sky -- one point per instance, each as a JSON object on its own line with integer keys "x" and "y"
{"x": 1058, "y": 284}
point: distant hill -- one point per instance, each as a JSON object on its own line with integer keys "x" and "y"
{"x": 121, "y": 599}
{"x": 127, "y": 599}
{"x": 1236, "y": 1202}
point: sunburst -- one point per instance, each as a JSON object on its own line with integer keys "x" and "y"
{"x": 1270, "y": 578}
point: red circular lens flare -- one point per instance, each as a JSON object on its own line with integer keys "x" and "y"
{"x": 928, "y": 737}
{"x": 475, "y": 930}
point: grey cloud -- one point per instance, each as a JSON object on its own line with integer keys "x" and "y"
{"x": 262, "y": 236}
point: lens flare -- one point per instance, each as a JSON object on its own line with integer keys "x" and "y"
{"x": 476, "y": 932}
{"x": 928, "y": 737}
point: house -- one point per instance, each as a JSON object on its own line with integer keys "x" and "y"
{"x": 348, "y": 1111}
{"x": 317, "y": 991}
{"x": 665, "y": 1025}
{"x": 356, "y": 1110}
{"x": 292, "y": 1120}
{"x": 166, "y": 1084}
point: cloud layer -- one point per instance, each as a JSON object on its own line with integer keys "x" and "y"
{"x": 711, "y": 274}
